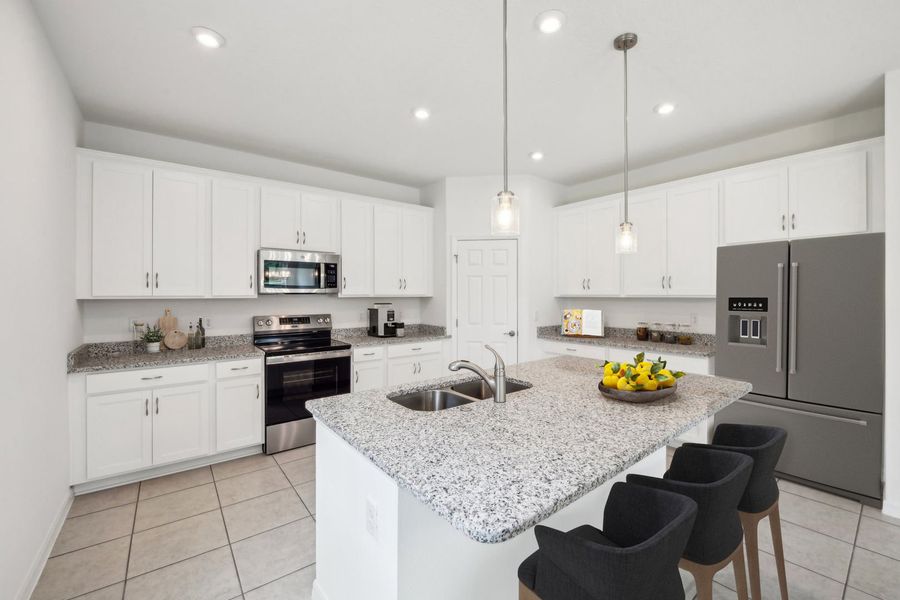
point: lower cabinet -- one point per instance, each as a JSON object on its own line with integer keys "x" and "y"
{"x": 368, "y": 368}
{"x": 119, "y": 433}
{"x": 410, "y": 363}
{"x": 180, "y": 423}
{"x": 238, "y": 413}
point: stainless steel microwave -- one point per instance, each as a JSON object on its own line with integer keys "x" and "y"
{"x": 295, "y": 272}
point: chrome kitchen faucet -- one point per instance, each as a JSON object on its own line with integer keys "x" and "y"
{"x": 497, "y": 384}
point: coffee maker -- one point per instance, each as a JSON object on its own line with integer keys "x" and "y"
{"x": 382, "y": 321}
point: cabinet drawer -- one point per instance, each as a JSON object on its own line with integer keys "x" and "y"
{"x": 238, "y": 368}
{"x": 145, "y": 378}
{"x": 576, "y": 349}
{"x": 368, "y": 353}
{"x": 401, "y": 350}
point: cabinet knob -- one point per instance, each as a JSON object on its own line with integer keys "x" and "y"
{"x": 511, "y": 333}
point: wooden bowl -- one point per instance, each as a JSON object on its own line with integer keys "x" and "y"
{"x": 175, "y": 340}
{"x": 636, "y": 397}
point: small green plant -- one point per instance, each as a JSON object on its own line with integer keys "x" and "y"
{"x": 153, "y": 335}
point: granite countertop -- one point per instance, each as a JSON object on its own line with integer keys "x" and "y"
{"x": 704, "y": 344}
{"x": 359, "y": 336}
{"x": 494, "y": 470}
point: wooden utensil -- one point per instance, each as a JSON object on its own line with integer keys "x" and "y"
{"x": 167, "y": 322}
{"x": 175, "y": 339}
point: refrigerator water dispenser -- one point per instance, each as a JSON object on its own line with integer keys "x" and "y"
{"x": 747, "y": 320}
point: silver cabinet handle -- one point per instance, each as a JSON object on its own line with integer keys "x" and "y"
{"x": 571, "y": 350}
{"x": 589, "y": 283}
{"x": 157, "y": 281}
{"x": 783, "y": 222}
{"x": 511, "y": 333}
{"x": 583, "y": 284}
{"x": 357, "y": 378}
{"x": 157, "y": 405}
{"x": 151, "y": 378}
{"x": 414, "y": 368}
{"x": 257, "y": 391}
{"x": 298, "y": 237}
{"x": 859, "y": 422}
{"x": 368, "y": 354}
{"x": 400, "y": 285}
{"x": 670, "y": 282}
{"x": 404, "y": 283}
{"x": 345, "y": 283}
{"x": 304, "y": 237}
{"x": 146, "y": 407}
{"x": 793, "y": 220}
{"x": 415, "y": 349}
{"x": 420, "y": 367}
{"x": 251, "y": 281}
{"x": 792, "y": 341}
{"x": 147, "y": 279}
{"x": 663, "y": 282}
{"x": 244, "y": 368}
{"x": 779, "y": 318}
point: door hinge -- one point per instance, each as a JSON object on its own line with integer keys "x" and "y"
{"x": 456, "y": 258}
{"x": 457, "y": 323}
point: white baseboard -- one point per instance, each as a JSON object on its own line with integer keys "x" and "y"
{"x": 891, "y": 509}
{"x": 40, "y": 558}
{"x": 317, "y": 592}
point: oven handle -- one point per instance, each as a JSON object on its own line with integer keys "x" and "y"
{"x": 295, "y": 358}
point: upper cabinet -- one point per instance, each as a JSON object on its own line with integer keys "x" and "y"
{"x": 402, "y": 247}
{"x": 585, "y": 253}
{"x": 299, "y": 220}
{"x": 357, "y": 264}
{"x": 644, "y": 272}
{"x": 692, "y": 237}
{"x": 755, "y": 206}
{"x": 235, "y": 237}
{"x": 180, "y": 225}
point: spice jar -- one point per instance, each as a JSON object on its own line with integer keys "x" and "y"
{"x": 670, "y": 336}
{"x": 684, "y": 335}
{"x": 656, "y": 333}
{"x": 642, "y": 331}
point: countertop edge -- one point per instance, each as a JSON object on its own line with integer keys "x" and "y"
{"x": 691, "y": 350}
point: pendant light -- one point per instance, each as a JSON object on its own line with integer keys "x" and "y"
{"x": 505, "y": 213}
{"x": 626, "y": 240}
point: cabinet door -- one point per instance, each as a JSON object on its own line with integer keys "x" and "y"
{"x": 319, "y": 222}
{"x": 180, "y": 422}
{"x": 571, "y": 252}
{"x": 180, "y": 234}
{"x": 356, "y": 248}
{"x": 755, "y": 206}
{"x": 603, "y": 272}
{"x": 644, "y": 272}
{"x": 403, "y": 370}
{"x": 693, "y": 238}
{"x": 235, "y": 238}
{"x": 279, "y": 218}
{"x": 828, "y": 195}
{"x": 431, "y": 367}
{"x": 118, "y": 433}
{"x": 386, "y": 242}
{"x": 121, "y": 229}
{"x": 416, "y": 250}
{"x": 239, "y": 421}
{"x": 368, "y": 375}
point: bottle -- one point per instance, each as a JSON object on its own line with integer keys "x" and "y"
{"x": 191, "y": 341}
{"x": 201, "y": 334}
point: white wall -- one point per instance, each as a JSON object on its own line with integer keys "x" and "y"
{"x": 700, "y": 313}
{"x": 40, "y": 122}
{"x": 892, "y": 292}
{"x": 148, "y": 145}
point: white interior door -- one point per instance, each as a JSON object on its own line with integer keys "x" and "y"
{"x": 487, "y": 300}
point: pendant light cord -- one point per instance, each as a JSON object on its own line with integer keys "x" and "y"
{"x": 625, "y": 52}
{"x": 505, "y": 107}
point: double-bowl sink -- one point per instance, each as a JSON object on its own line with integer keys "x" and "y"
{"x": 457, "y": 394}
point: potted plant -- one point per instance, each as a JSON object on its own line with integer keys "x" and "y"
{"x": 152, "y": 337}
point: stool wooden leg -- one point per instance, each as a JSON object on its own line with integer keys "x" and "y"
{"x": 740, "y": 574}
{"x": 775, "y": 524}
{"x": 703, "y": 577}
{"x": 526, "y": 593}
{"x": 751, "y": 540}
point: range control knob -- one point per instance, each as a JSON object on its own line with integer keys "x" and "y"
{"x": 268, "y": 321}
{"x": 328, "y": 319}
{"x": 260, "y": 323}
{"x": 320, "y": 321}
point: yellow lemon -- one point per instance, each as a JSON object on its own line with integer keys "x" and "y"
{"x": 643, "y": 379}
{"x": 611, "y": 381}
{"x": 607, "y": 369}
{"x": 645, "y": 365}
{"x": 667, "y": 373}
{"x": 623, "y": 384}
{"x": 667, "y": 382}
{"x": 651, "y": 385}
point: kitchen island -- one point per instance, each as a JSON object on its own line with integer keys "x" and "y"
{"x": 440, "y": 505}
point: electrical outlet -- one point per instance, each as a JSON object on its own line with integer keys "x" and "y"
{"x": 372, "y": 518}
{"x": 693, "y": 319}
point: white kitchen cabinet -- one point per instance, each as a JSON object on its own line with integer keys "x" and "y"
{"x": 180, "y": 234}
{"x": 579, "y": 349}
{"x": 319, "y": 222}
{"x": 409, "y": 363}
{"x": 692, "y": 219}
{"x": 239, "y": 420}
{"x": 369, "y": 368}
{"x": 357, "y": 263}
{"x": 180, "y": 422}
{"x": 645, "y": 272}
{"x": 118, "y": 433}
{"x": 571, "y": 252}
{"x": 827, "y": 195}
{"x": 388, "y": 280}
{"x": 121, "y": 229}
{"x": 603, "y": 264}
{"x": 401, "y": 371}
{"x": 433, "y": 366}
{"x": 279, "y": 218}
{"x": 402, "y": 242}
{"x": 235, "y": 237}
{"x": 755, "y": 205}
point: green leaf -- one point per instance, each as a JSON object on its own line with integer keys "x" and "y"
{"x": 656, "y": 368}
{"x": 662, "y": 362}
{"x": 639, "y": 358}
{"x": 616, "y": 367}
{"x": 662, "y": 378}
{"x": 628, "y": 372}
{"x": 678, "y": 374}
{"x": 638, "y": 386}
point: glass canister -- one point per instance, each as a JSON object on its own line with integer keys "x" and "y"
{"x": 670, "y": 336}
{"x": 656, "y": 332}
{"x": 685, "y": 337}
{"x": 642, "y": 331}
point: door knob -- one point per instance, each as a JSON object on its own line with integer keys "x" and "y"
{"x": 511, "y": 333}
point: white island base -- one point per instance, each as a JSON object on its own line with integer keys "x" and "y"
{"x": 375, "y": 541}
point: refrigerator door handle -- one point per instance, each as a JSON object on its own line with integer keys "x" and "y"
{"x": 779, "y": 321}
{"x": 792, "y": 357}
{"x": 860, "y": 422}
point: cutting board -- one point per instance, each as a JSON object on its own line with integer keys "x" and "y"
{"x": 167, "y": 322}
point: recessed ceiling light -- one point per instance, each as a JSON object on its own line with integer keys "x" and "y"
{"x": 421, "y": 114}
{"x": 208, "y": 38}
{"x": 537, "y": 155}
{"x": 665, "y": 108}
{"x": 550, "y": 21}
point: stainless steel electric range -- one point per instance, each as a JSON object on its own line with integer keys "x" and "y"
{"x": 303, "y": 363}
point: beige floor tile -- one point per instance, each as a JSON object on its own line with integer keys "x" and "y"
{"x": 296, "y": 586}
{"x": 251, "y": 485}
{"x": 720, "y": 592}
{"x": 879, "y": 537}
{"x": 175, "y": 482}
{"x": 852, "y": 594}
{"x": 239, "y": 466}
{"x": 300, "y": 471}
{"x": 814, "y": 494}
{"x": 113, "y": 592}
{"x": 276, "y": 553}
{"x": 875, "y": 513}
{"x": 175, "y": 506}
{"x": 117, "y": 496}
{"x": 307, "y": 493}
{"x": 93, "y": 528}
{"x": 210, "y": 576}
{"x": 263, "y": 513}
{"x": 803, "y": 584}
{"x": 818, "y": 516}
{"x": 176, "y": 541}
{"x": 810, "y": 549}
{"x": 295, "y": 454}
{"x": 83, "y": 571}
{"x": 875, "y": 574}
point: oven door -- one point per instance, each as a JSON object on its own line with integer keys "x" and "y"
{"x": 289, "y": 272}
{"x": 294, "y": 379}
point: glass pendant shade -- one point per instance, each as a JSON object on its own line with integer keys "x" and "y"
{"x": 626, "y": 240}
{"x": 505, "y": 214}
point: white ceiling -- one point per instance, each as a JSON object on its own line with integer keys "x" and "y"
{"x": 332, "y": 82}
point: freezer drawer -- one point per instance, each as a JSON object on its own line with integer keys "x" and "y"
{"x": 835, "y": 447}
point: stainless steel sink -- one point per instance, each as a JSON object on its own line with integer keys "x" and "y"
{"x": 479, "y": 390}
{"x": 431, "y": 400}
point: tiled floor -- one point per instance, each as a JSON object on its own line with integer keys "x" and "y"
{"x": 243, "y": 529}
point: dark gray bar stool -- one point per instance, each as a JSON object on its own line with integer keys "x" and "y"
{"x": 716, "y": 481}
{"x": 764, "y": 445}
{"x": 634, "y": 557}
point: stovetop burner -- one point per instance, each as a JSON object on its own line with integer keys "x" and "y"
{"x": 295, "y": 334}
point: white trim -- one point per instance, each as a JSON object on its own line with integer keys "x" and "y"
{"x": 40, "y": 558}
{"x": 891, "y": 509}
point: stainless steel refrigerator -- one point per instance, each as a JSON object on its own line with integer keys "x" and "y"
{"x": 803, "y": 321}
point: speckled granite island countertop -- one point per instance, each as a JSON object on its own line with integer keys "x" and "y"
{"x": 494, "y": 470}
{"x": 704, "y": 344}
